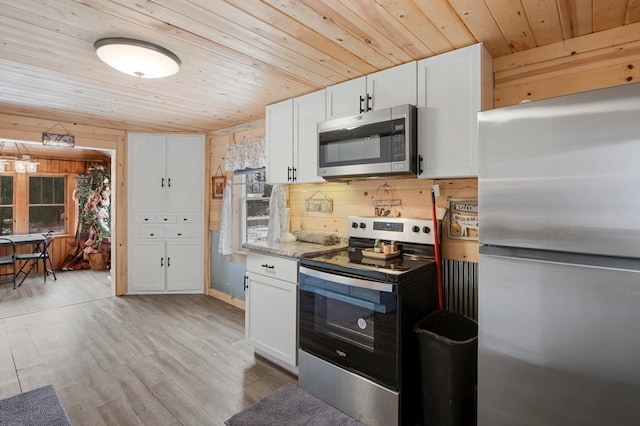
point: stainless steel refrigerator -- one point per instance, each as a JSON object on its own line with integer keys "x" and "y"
{"x": 559, "y": 266}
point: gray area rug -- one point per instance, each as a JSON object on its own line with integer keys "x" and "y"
{"x": 291, "y": 406}
{"x": 34, "y": 408}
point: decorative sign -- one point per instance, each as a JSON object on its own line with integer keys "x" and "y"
{"x": 58, "y": 140}
{"x": 463, "y": 218}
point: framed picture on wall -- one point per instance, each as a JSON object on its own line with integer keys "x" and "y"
{"x": 217, "y": 186}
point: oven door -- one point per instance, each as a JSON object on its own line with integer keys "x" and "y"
{"x": 350, "y": 322}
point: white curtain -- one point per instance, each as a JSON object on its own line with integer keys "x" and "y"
{"x": 243, "y": 155}
{"x": 225, "y": 245}
{"x": 278, "y": 229}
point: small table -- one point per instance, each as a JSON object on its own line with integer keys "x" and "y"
{"x": 38, "y": 240}
{"x": 20, "y": 239}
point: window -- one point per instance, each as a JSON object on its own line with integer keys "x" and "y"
{"x": 6, "y": 205}
{"x": 254, "y": 214}
{"x": 46, "y": 204}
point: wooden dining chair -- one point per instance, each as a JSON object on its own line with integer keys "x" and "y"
{"x": 40, "y": 253}
{"x": 7, "y": 261}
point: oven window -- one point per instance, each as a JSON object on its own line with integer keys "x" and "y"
{"x": 346, "y": 321}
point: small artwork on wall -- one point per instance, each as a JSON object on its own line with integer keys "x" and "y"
{"x": 217, "y": 186}
{"x": 463, "y": 219}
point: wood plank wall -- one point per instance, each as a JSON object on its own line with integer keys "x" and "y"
{"x": 603, "y": 59}
{"x": 358, "y": 197}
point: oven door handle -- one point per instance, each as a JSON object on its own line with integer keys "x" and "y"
{"x": 374, "y": 307}
{"x": 341, "y": 279}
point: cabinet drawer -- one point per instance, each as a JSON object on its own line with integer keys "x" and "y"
{"x": 142, "y": 219}
{"x": 166, "y": 219}
{"x": 179, "y": 231}
{"x": 151, "y": 231}
{"x": 273, "y": 266}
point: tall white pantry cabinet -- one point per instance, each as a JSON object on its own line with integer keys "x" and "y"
{"x": 166, "y": 211}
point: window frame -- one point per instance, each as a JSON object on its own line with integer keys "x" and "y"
{"x": 12, "y": 205}
{"x": 30, "y": 205}
{"x": 240, "y": 198}
{"x": 21, "y": 201}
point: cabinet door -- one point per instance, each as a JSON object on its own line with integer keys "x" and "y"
{"x": 146, "y": 172}
{"x": 343, "y": 100}
{"x": 146, "y": 266}
{"x": 184, "y": 266}
{"x": 270, "y": 317}
{"x": 394, "y": 86}
{"x": 279, "y": 142}
{"x": 308, "y": 111}
{"x": 185, "y": 177}
{"x": 450, "y": 92}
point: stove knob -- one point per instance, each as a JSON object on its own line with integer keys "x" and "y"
{"x": 426, "y": 229}
{"x": 363, "y": 225}
{"x": 416, "y": 229}
{"x": 354, "y": 225}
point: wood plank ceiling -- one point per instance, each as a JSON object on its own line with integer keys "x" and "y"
{"x": 240, "y": 55}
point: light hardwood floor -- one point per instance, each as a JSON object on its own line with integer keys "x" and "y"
{"x": 130, "y": 360}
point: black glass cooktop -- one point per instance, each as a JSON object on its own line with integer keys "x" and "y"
{"x": 350, "y": 262}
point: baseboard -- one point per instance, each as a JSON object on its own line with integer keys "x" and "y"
{"x": 226, "y": 298}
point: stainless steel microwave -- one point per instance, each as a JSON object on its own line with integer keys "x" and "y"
{"x": 372, "y": 144}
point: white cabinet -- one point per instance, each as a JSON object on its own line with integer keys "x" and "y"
{"x": 159, "y": 266}
{"x": 308, "y": 111}
{"x": 166, "y": 172}
{"x": 166, "y": 199}
{"x": 146, "y": 266}
{"x": 279, "y": 142}
{"x": 387, "y": 88}
{"x": 452, "y": 88}
{"x": 271, "y": 321}
{"x": 291, "y": 139}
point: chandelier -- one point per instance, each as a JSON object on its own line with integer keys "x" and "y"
{"x": 23, "y": 163}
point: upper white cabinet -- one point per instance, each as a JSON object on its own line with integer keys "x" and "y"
{"x": 279, "y": 142}
{"x": 308, "y": 111}
{"x": 452, "y": 88}
{"x": 388, "y": 88}
{"x": 166, "y": 172}
{"x": 291, "y": 136}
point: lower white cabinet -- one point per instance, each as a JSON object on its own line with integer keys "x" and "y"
{"x": 165, "y": 266}
{"x": 271, "y": 319}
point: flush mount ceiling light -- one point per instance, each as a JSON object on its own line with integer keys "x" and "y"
{"x": 137, "y": 58}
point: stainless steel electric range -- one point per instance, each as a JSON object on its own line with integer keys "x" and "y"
{"x": 357, "y": 309}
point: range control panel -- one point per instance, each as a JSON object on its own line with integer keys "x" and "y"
{"x": 392, "y": 228}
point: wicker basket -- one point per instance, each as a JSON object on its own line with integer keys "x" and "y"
{"x": 97, "y": 261}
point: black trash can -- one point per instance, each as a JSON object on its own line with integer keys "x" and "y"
{"x": 449, "y": 364}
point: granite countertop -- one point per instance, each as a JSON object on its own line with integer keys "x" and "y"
{"x": 295, "y": 249}
{"x": 308, "y": 244}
